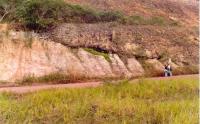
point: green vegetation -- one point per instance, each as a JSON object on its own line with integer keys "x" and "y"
{"x": 47, "y": 78}
{"x": 155, "y": 20}
{"x": 137, "y": 20}
{"x": 148, "y": 101}
{"x": 42, "y": 14}
{"x": 133, "y": 20}
{"x": 54, "y": 78}
{"x": 94, "y": 52}
{"x": 8, "y": 9}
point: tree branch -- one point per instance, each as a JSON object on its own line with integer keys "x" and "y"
{"x": 6, "y": 13}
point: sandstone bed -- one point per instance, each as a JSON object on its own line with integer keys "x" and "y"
{"x": 24, "y": 54}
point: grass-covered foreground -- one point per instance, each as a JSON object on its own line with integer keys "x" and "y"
{"x": 147, "y": 101}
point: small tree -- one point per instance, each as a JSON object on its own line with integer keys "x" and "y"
{"x": 8, "y": 9}
{"x": 4, "y": 9}
{"x": 36, "y": 14}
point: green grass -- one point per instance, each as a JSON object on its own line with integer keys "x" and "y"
{"x": 154, "y": 20}
{"x": 147, "y": 101}
{"x": 53, "y": 78}
{"x": 94, "y": 52}
{"x": 46, "y": 78}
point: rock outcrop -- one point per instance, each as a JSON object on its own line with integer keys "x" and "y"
{"x": 24, "y": 54}
{"x": 114, "y": 52}
{"x": 149, "y": 42}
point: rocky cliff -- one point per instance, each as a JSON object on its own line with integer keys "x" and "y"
{"x": 94, "y": 51}
{"x": 143, "y": 42}
{"x": 23, "y": 54}
{"x": 76, "y": 51}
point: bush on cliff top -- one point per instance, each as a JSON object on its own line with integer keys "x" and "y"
{"x": 40, "y": 14}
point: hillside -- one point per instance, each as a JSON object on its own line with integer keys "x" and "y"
{"x": 182, "y": 10}
{"x": 84, "y": 39}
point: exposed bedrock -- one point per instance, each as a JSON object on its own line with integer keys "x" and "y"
{"x": 21, "y": 56}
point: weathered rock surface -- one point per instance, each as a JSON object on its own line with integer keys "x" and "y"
{"x": 155, "y": 64}
{"x": 24, "y": 54}
{"x": 150, "y": 42}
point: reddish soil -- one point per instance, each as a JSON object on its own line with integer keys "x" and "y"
{"x": 27, "y": 89}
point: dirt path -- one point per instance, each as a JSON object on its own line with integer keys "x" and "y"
{"x": 27, "y": 89}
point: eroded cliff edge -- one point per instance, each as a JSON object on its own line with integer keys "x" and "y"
{"x": 22, "y": 56}
{"x": 95, "y": 51}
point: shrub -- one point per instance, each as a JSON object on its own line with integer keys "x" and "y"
{"x": 40, "y": 14}
{"x": 37, "y": 14}
{"x": 8, "y": 10}
{"x": 136, "y": 20}
{"x": 46, "y": 78}
{"x": 79, "y": 13}
{"x": 111, "y": 16}
{"x": 139, "y": 20}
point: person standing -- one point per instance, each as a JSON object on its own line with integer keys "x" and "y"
{"x": 169, "y": 69}
{"x": 165, "y": 71}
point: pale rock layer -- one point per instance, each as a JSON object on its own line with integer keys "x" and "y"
{"x": 24, "y": 54}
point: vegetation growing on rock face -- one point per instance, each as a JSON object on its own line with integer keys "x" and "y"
{"x": 41, "y": 14}
{"x": 95, "y": 52}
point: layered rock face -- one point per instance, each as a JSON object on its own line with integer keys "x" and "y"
{"x": 114, "y": 51}
{"x": 24, "y": 54}
{"x": 148, "y": 42}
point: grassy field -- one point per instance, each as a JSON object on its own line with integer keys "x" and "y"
{"x": 173, "y": 101}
